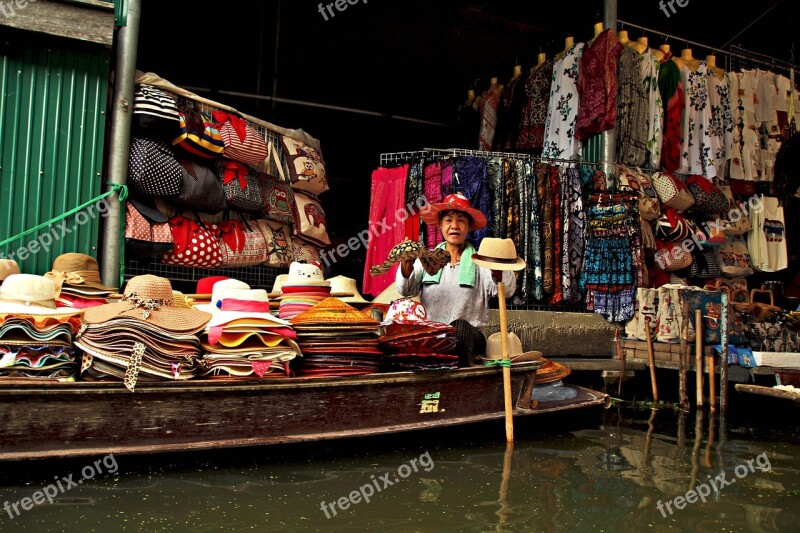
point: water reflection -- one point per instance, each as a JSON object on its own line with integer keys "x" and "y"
{"x": 608, "y": 476}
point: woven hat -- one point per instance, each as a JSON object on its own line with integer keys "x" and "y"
{"x": 494, "y": 349}
{"x": 347, "y": 285}
{"x": 149, "y": 298}
{"x": 498, "y": 254}
{"x": 280, "y": 279}
{"x": 221, "y": 289}
{"x": 550, "y": 371}
{"x": 457, "y": 202}
{"x": 388, "y": 295}
{"x": 76, "y": 271}
{"x": 7, "y": 268}
{"x": 306, "y": 274}
{"x": 26, "y": 294}
{"x": 333, "y": 311}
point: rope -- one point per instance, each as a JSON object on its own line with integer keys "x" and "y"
{"x": 499, "y": 362}
{"x": 115, "y": 188}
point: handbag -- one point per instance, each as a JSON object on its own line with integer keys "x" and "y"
{"x": 242, "y": 142}
{"x": 196, "y": 243}
{"x": 201, "y": 189}
{"x": 241, "y": 245}
{"x": 646, "y": 307}
{"x": 245, "y": 189}
{"x": 708, "y": 199}
{"x": 198, "y": 136}
{"x": 155, "y": 113}
{"x": 279, "y": 243}
{"x": 309, "y": 220}
{"x": 278, "y": 193}
{"x": 705, "y": 264}
{"x": 743, "y": 187}
{"x": 306, "y": 167}
{"x": 672, "y": 192}
{"x": 147, "y": 232}
{"x": 672, "y": 226}
{"x": 639, "y": 182}
{"x": 304, "y": 252}
{"x": 153, "y": 169}
{"x": 669, "y": 318}
{"x": 669, "y": 257}
{"x": 734, "y": 258}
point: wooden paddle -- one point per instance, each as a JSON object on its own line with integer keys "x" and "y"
{"x": 651, "y": 361}
{"x": 501, "y": 296}
{"x": 698, "y": 355}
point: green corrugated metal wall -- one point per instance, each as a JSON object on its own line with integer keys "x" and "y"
{"x": 53, "y": 100}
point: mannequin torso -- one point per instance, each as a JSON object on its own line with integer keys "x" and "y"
{"x": 517, "y": 72}
{"x": 640, "y": 45}
{"x": 598, "y": 29}
{"x": 623, "y": 37}
{"x": 711, "y": 63}
{"x": 569, "y": 42}
{"x": 689, "y": 60}
{"x": 540, "y": 59}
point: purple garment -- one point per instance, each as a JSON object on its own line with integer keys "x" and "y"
{"x": 472, "y": 180}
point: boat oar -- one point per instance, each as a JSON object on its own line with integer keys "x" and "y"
{"x": 698, "y": 355}
{"x": 651, "y": 359}
{"x": 501, "y": 296}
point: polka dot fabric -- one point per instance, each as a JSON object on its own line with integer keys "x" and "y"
{"x": 153, "y": 169}
{"x": 195, "y": 246}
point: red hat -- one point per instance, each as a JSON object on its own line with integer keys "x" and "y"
{"x": 456, "y": 202}
{"x": 205, "y": 286}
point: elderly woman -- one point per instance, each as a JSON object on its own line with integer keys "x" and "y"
{"x": 462, "y": 289}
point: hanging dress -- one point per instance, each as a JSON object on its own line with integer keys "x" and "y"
{"x": 562, "y": 112}
{"x": 699, "y": 147}
{"x": 655, "y": 108}
{"x": 534, "y": 112}
{"x": 671, "y": 89}
{"x": 632, "y": 110}
{"x": 721, "y": 119}
{"x": 597, "y": 86}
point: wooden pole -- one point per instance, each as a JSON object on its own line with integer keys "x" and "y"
{"x": 501, "y": 296}
{"x": 684, "y": 337}
{"x": 652, "y": 361}
{"x": 503, "y": 512}
{"x": 712, "y": 384}
{"x": 698, "y": 355}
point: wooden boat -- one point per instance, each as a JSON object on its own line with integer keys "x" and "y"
{"x": 51, "y": 420}
{"x": 769, "y": 392}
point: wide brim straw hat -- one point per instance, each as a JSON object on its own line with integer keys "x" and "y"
{"x": 494, "y": 349}
{"x": 389, "y": 294}
{"x": 280, "y": 279}
{"x": 27, "y": 294}
{"x": 149, "y": 298}
{"x": 7, "y": 268}
{"x": 498, "y": 254}
{"x": 77, "y": 270}
{"x": 455, "y": 202}
{"x": 550, "y": 371}
{"x": 342, "y": 284}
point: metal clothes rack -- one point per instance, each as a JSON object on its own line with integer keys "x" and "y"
{"x": 433, "y": 153}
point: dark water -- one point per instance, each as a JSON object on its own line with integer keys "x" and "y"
{"x": 603, "y": 472}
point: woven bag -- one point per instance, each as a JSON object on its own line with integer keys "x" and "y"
{"x": 708, "y": 199}
{"x": 198, "y": 136}
{"x": 705, "y": 264}
{"x": 672, "y": 192}
{"x": 278, "y": 194}
{"x": 669, "y": 257}
{"x": 241, "y": 244}
{"x": 672, "y": 226}
{"x": 279, "y": 243}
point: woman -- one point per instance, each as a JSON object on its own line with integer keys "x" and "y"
{"x": 462, "y": 289}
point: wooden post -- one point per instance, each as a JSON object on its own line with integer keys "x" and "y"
{"x": 684, "y": 335}
{"x": 501, "y": 295}
{"x": 698, "y": 355}
{"x": 712, "y": 384}
{"x": 652, "y": 361}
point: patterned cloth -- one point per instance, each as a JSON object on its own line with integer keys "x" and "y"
{"x": 534, "y": 113}
{"x": 597, "y": 86}
{"x": 433, "y": 192}
{"x": 558, "y": 231}
{"x": 488, "y": 108}
{"x": 546, "y": 226}
{"x": 473, "y": 182}
{"x": 524, "y": 228}
{"x": 671, "y": 89}
{"x": 496, "y": 212}
{"x": 699, "y": 146}
{"x": 574, "y": 224}
{"x": 721, "y": 127}
{"x": 632, "y": 110}
{"x": 655, "y": 108}
{"x": 533, "y": 258}
{"x": 562, "y": 111}
{"x": 512, "y": 226}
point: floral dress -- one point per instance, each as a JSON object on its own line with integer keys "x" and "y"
{"x": 721, "y": 119}
{"x": 655, "y": 117}
{"x": 699, "y": 146}
{"x": 562, "y": 114}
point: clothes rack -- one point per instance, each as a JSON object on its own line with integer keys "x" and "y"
{"x": 393, "y": 158}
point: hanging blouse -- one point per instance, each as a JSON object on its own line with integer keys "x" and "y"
{"x": 534, "y": 112}
{"x": 655, "y": 107}
{"x": 699, "y": 147}
{"x": 767, "y": 240}
{"x": 488, "y": 108}
{"x": 721, "y": 119}
{"x": 508, "y": 114}
{"x": 597, "y": 85}
{"x": 562, "y": 112}
{"x": 632, "y": 110}
{"x": 748, "y": 165}
{"x": 671, "y": 89}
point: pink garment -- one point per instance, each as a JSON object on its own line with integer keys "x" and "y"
{"x": 386, "y": 224}
{"x": 488, "y": 107}
{"x": 432, "y": 187}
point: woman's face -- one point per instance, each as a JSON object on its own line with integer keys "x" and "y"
{"x": 455, "y": 227}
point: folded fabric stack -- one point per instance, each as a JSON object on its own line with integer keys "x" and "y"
{"x": 412, "y": 342}
{"x": 243, "y": 339}
{"x": 336, "y": 340}
{"x": 35, "y": 337}
{"x": 304, "y": 288}
{"x": 145, "y": 337}
{"x": 77, "y": 281}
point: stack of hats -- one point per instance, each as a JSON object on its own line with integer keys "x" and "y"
{"x": 205, "y": 286}
{"x": 35, "y": 336}
{"x": 145, "y": 337}
{"x": 303, "y": 288}
{"x": 336, "y": 340}
{"x": 412, "y": 342}
{"x": 341, "y": 285}
{"x": 77, "y": 281}
{"x": 243, "y": 339}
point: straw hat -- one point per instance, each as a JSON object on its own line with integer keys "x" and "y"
{"x": 238, "y": 304}
{"x": 347, "y": 285}
{"x": 457, "y": 202}
{"x": 306, "y": 274}
{"x": 150, "y": 298}
{"x": 494, "y": 349}
{"x": 280, "y": 279}
{"x": 77, "y": 271}
{"x": 498, "y": 254}
{"x": 550, "y": 371}
{"x": 7, "y": 268}
{"x": 332, "y": 311}
{"x": 389, "y": 295}
{"x": 221, "y": 290}
{"x": 26, "y": 294}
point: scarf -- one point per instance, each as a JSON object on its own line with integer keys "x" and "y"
{"x": 466, "y": 269}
